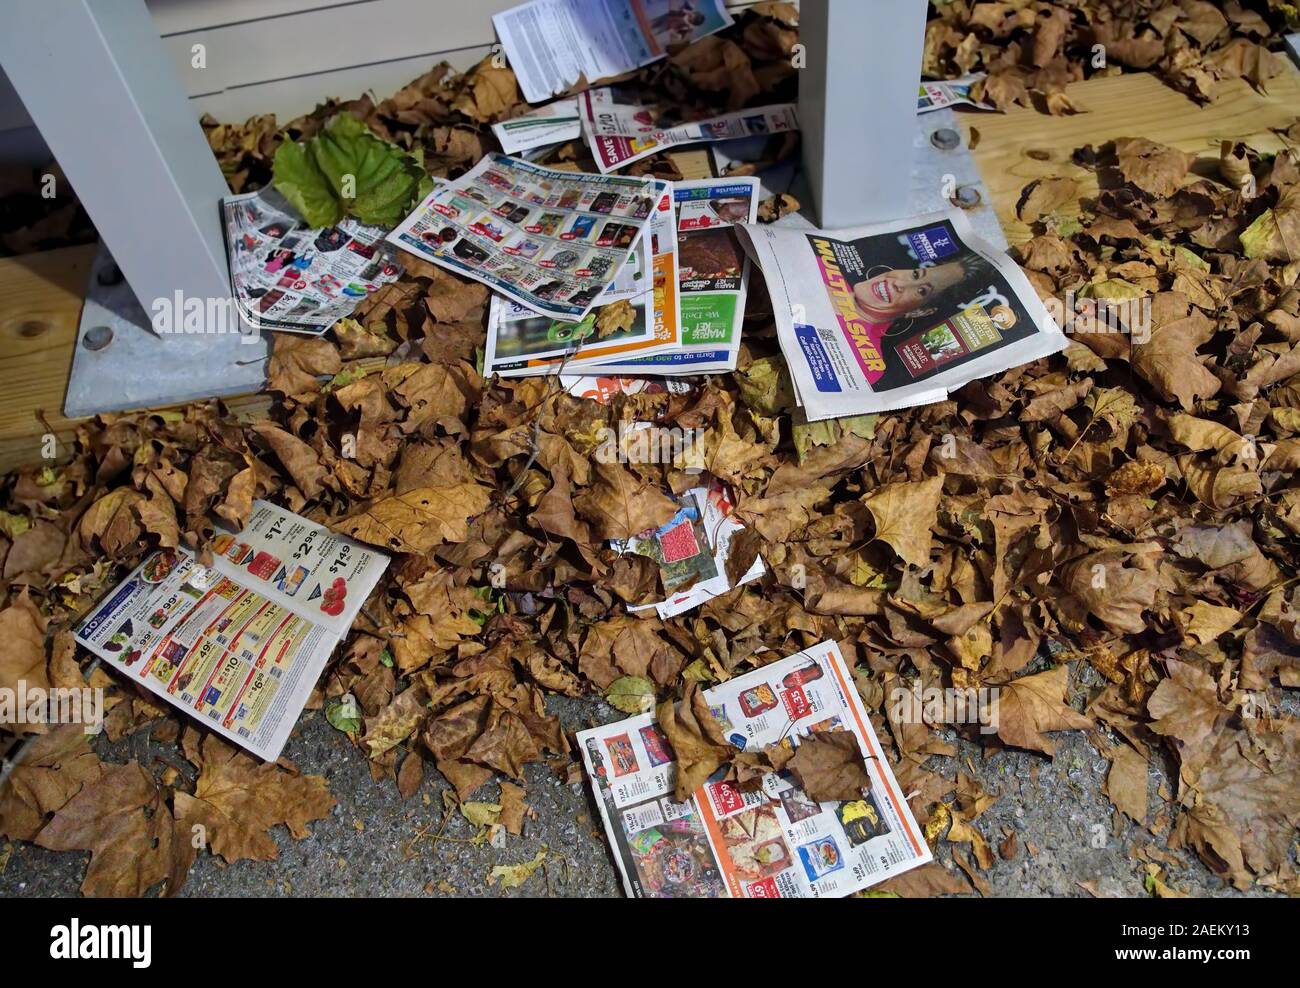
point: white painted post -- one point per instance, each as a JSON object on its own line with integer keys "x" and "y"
{"x": 96, "y": 80}
{"x": 857, "y": 105}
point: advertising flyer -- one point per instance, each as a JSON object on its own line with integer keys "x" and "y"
{"x": 774, "y": 842}
{"x": 551, "y": 124}
{"x": 954, "y": 92}
{"x": 886, "y": 316}
{"x": 522, "y": 342}
{"x": 603, "y": 389}
{"x": 620, "y": 129}
{"x": 692, "y": 545}
{"x": 713, "y": 278}
{"x": 241, "y": 644}
{"x": 290, "y": 277}
{"x": 554, "y": 44}
{"x": 551, "y": 240}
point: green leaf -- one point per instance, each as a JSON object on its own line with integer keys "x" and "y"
{"x": 631, "y": 694}
{"x": 298, "y": 179}
{"x": 347, "y": 170}
{"x": 342, "y": 713}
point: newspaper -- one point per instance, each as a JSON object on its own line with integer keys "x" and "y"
{"x": 522, "y": 341}
{"x": 553, "y": 45}
{"x": 774, "y": 842}
{"x": 937, "y": 95}
{"x": 895, "y": 314}
{"x": 692, "y": 545}
{"x": 239, "y": 645}
{"x": 603, "y": 389}
{"x": 620, "y": 129}
{"x": 713, "y": 278}
{"x": 551, "y": 124}
{"x": 551, "y": 240}
{"x": 295, "y": 278}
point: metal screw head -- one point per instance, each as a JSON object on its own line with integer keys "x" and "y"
{"x": 945, "y": 138}
{"x": 967, "y": 197}
{"x": 97, "y": 337}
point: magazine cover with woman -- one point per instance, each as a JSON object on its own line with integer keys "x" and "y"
{"x": 896, "y": 314}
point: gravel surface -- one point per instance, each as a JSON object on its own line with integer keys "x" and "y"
{"x": 376, "y": 844}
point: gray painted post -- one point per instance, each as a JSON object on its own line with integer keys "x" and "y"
{"x": 95, "y": 79}
{"x": 857, "y": 105}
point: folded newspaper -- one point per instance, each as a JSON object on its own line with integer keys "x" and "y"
{"x": 774, "y": 842}
{"x": 692, "y": 545}
{"x": 712, "y": 278}
{"x": 603, "y": 389}
{"x": 522, "y": 341}
{"x": 689, "y": 323}
{"x": 551, "y": 240}
{"x": 294, "y": 278}
{"x": 886, "y": 316}
{"x": 621, "y": 129}
{"x": 239, "y": 645}
{"x": 551, "y": 124}
{"x": 954, "y": 92}
{"x": 553, "y": 45}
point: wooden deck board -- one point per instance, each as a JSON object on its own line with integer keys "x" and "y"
{"x": 1017, "y": 147}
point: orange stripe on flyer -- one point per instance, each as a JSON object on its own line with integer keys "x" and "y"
{"x": 639, "y": 9}
{"x": 715, "y": 837}
{"x": 851, "y": 696}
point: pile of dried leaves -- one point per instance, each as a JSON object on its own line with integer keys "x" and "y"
{"x": 1130, "y": 505}
{"x": 1032, "y": 48}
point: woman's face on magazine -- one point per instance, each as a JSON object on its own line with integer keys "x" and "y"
{"x": 898, "y": 292}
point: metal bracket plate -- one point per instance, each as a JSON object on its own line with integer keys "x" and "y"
{"x": 120, "y": 363}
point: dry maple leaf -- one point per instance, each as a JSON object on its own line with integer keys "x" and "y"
{"x": 614, "y": 318}
{"x": 1245, "y": 801}
{"x": 237, "y": 801}
{"x": 1275, "y": 234}
{"x": 418, "y": 520}
{"x": 297, "y": 364}
{"x": 904, "y": 514}
{"x": 1044, "y": 195}
{"x": 1031, "y": 705}
{"x": 121, "y": 819}
{"x": 22, "y": 658}
{"x": 54, "y": 768}
{"x": 830, "y": 766}
{"x": 696, "y": 737}
{"x": 1117, "y": 594}
{"x": 1126, "y": 783}
{"x": 396, "y": 722}
{"x": 619, "y": 504}
{"x": 1154, "y": 168}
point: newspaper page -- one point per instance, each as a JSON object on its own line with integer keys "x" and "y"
{"x": 620, "y": 129}
{"x": 553, "y": 45}
{"x": 551, "y": 240}
{"x": 774, "y": 842}
{"x": 521, "y": 341}
{"x": 692, "y": 545}
{"x": 713, "y": 278}
{"x": 551, "y": 124}
{"x": 294, "y": 278}
{"x": 881, "y": 317}
{"x": 954, "y": 92}
{"x": 239, "y": 645}
{"x": 603, "y": 389}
